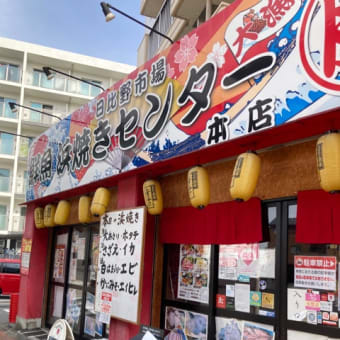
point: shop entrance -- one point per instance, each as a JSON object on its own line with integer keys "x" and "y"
{"x": 253, "y": 291}
{"x": 72, "y": 280}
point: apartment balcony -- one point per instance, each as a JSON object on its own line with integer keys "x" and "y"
{"x": 35, "y": 122}
{"x": 18, "y": 223}
{"x": 150, "y": 8}
{"x": 61, "y": 88}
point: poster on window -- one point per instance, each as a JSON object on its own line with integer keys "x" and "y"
{"x": 59, "y": 258}
{"x": 238, "y": 261}
{"x": 120, "y": 262}
{"x": 316, "y": 272}
{"x": 233, "y": 329}
{"x": 193, "y": 283}
{"x": 186, "y": 324}
{"x": 26, "y": 248}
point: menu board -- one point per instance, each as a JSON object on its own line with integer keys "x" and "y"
{"x": 26, "y": 248}
{"x": 120, "y": 263}
{"x": 193, "y": 283}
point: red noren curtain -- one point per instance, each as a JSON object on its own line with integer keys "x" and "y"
{"x": 318, "y": 217}
{"x": 221, "y": 223}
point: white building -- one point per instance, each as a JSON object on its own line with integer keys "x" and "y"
{"x": 174, "y": 18}
{"x": 22, "y": 81}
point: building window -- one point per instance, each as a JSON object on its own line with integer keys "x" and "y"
{"x": 22, "y": 218}
{"x": 5, "y": 110}
{"x": 56, "y": 83}
{"x": 9, "y": 72}
{"x": 4, "y": 180}
{"x": 6, "y": 144}
{"x": 89, "y": 90}
{"x": 3, "y": 217}
{"x": 25, "y": 144}
{"x": 38, "y": 117}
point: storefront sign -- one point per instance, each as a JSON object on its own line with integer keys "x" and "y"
{"x": 26, "y": 248}
{"x": 249, "y": 68}
{"x": 120, "y": 264}
{"x": 315, "y": 272}
{"x": 193, "y": 282}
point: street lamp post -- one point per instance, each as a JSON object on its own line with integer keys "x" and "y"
{"x": 13, "y": 107}
{"x": 47, "y": 70}
{"x": 109, "y": 16}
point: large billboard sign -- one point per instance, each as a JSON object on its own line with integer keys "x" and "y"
{"x": 255, "y": 65}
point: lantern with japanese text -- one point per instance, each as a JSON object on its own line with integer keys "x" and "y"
{"x": 62, "y": 213}
{"x": 39, "y": 217}
{"x": 84, "y": 214}
{"x": 100, "y": 202}
{"x": 328, "y": 161}
{"x": 49, "y": 212}
{"x": 245, "y": 176}
{"x": 153, "y": 197}
{"x": 198, "y": 187}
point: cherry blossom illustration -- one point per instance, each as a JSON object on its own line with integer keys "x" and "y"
{"x": 217, "y": 54}
{"x": 170, "y": 71}
{"x": 187, "y": 52}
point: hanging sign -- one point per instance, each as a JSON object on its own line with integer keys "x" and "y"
{"x": 316, "y": 272}
{"x": 118, "y": 286}
{"x": 255, "y": 65}
{"x": 26, "y": 248}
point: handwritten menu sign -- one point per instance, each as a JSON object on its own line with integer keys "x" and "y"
{"x": 120, "y": 263}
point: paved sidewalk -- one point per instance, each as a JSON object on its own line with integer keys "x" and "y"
{"x": 9, "y": 332}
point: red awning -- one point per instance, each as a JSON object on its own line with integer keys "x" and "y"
{"x": 318, "y": 217}
{"x": 221, "y": 223}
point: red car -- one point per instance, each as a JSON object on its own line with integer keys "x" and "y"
{"x": 9, "y": 276}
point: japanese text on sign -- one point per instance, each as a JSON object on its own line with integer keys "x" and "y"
{"x": 317, "y": 272}
{"x": 120, "y": 258}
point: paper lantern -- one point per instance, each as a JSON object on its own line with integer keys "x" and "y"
{"x": 49, "y": 212}
{"x": 198, "y": 187}
{"x": 245, "y": 176}
{"x": 84, "y": 214}
{"x": 153, "y": 197}
{"x": 39, "y": 218}
{"x": 100, "y": 202}
{"x": 62, "y": 213}
{"x": 328, "y": 161}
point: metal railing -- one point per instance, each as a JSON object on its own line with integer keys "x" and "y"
{"x": 64, "y": 84}
{"x": 162, "y": 24}
{"x": 36, "y": 117}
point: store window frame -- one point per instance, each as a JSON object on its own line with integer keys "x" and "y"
{"x": 66, "y": 285}
{"x": 280, "y": 322}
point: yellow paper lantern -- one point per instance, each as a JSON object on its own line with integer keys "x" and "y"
{"x": 153, "y": 197}
{"x": 84, "y": 214}
{"x": 49, "y": 212}
{"x": 62, "y": 213}
{"x": 245, "y": 176}
{"x": 328, "y": 161}
{"x": 100, "y": 202}
{"x": 39, "y": 218}
{"x": 198, "y": 187}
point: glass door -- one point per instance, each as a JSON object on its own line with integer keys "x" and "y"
{"x": 76, "y": 288}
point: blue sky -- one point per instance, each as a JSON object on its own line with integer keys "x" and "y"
{"x": 74, "y": 25}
